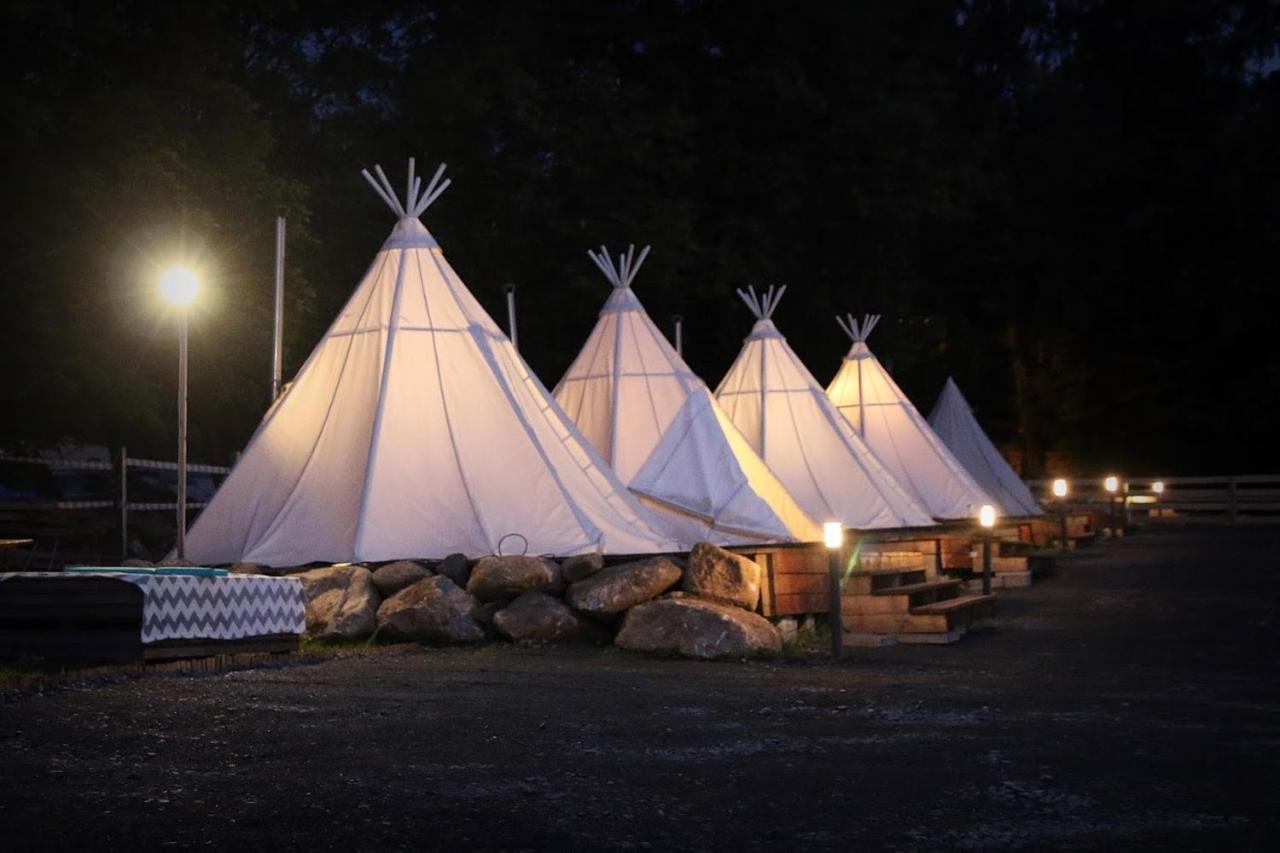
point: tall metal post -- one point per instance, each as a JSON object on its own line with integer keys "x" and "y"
{"x": 1062, "y": 526}
{"x": 679, "y": 323}
{"x": 124, "y": 503}
{"x": 277, "y": 339}
{"x": 833, "y": 591}
{"x": 511, "y": 316}
{"x": 182, "y": 436}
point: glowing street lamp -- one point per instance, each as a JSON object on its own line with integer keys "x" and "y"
{"x": 179, "y": 286}
{"x": 1059, "y": 488}
{"x": 833, "y": 538}
{"x": 987, "y": 521}
{"x": 1158, "y": 487}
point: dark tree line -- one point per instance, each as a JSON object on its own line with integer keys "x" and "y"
{"x": 1072, "y": 207}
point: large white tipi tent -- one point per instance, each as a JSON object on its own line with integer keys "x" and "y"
{"x": 785, "y": 415}
{"x": 898, "y": 434}
{"x": 415, "y": 430}
{"x": 953, "y": 421}
{"x": 638, "y": 403}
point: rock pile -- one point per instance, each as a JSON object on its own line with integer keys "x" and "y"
{"x": 704, "y": 609}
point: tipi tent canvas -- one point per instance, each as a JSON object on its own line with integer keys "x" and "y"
{"x": 898, "y": 434}
{"x": 414, "y": 429}
{"x": 785, "y": 415}
{"x": 655, "y": 421}
{"x": 953, "y": 421}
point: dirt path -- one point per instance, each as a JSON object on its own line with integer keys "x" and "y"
{"x": 1130, "y": 700}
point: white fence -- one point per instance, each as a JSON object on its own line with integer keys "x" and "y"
{"x": 119, "y": 500}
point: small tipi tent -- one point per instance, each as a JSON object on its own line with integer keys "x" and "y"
{"x": 785, "y": 415}
{"x": 898, "y": 434}
{"x": 953, "y": 421}
{"x": 655, "y": 421}
{"x": 414, "y": 429}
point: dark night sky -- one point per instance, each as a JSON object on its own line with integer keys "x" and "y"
{"x": 1072, "y": 208}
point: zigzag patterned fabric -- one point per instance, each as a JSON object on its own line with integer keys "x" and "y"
{"x": 176, "y": 607}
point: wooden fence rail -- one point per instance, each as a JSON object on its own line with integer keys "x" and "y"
{"x": 1227, "y": 498}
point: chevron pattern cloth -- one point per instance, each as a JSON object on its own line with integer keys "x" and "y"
{"x": 175, "y": 607}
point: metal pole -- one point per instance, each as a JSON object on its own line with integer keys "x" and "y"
{"x": 1062, "y": 522}
{"x": 511, "y": 316}
{"x": 679, "y": 321}
{"x": 1111, "y": 513}
{"x": 124, "y": 503}
{"x": 986, "y": 563}
{"x": 277, "y": 340}
{"x": 833, "y": 591}
{"x": 181, "y": 547}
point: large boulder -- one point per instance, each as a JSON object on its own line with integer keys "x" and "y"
{"x": 342, "y": 602}
{"x": 433, "y": 610}
{"x": 581, "y": 567}
{"x": 697, "y": 628}
{"x": 722, "y": 575}
{"x": 496, "y": 577}
{"x": 456, "y": 568}
{"x": 393, "y": 577}
{"x": 610, "y": 591}
{"x": 536, "y": 617}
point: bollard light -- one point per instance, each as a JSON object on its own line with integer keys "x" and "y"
{"x": 833, "y": 538}
{"x": 1158, "y": 487}
{"x": 1111, "y": 484}
{"x": 986, "y": 518}
{"x": 1059, "y": 488}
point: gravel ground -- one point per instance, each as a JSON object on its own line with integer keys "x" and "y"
{"x": 1130, "y": 700}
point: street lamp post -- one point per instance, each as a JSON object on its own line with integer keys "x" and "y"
{"x": 987, "y": 519}
{"x": 833, "y": 538}
{"x": 1060, "y": 492}
{"x": 178, "y": 286}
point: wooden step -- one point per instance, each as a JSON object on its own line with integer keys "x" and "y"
{"x": 952, "y": 605}
{"x": 913, "y": 588}
{"x": 864, "y": 583}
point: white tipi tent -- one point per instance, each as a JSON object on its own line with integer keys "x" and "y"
{"x": 414, "y": 430}
{"x": 953, "y": 421}
{"x": 785, "y": 415}
{"x": 655, "y": 421}
{"x": 897, "y": 433}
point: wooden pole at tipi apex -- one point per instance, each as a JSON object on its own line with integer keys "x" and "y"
{"x": 416, "y": 199}
{"x": 511, "y": 316}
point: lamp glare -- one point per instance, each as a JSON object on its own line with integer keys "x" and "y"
{"x": 178, "y": 285}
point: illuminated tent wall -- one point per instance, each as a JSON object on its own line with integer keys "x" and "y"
{"x": 638, "y": 403}
{"x": 415, "y": 430}
{"x": 898, "y": 434}
{"x": 953, "y": 421}
{"x": 785, "y": 415}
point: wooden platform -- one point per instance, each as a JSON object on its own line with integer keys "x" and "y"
{"x": 911, "y": 604}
